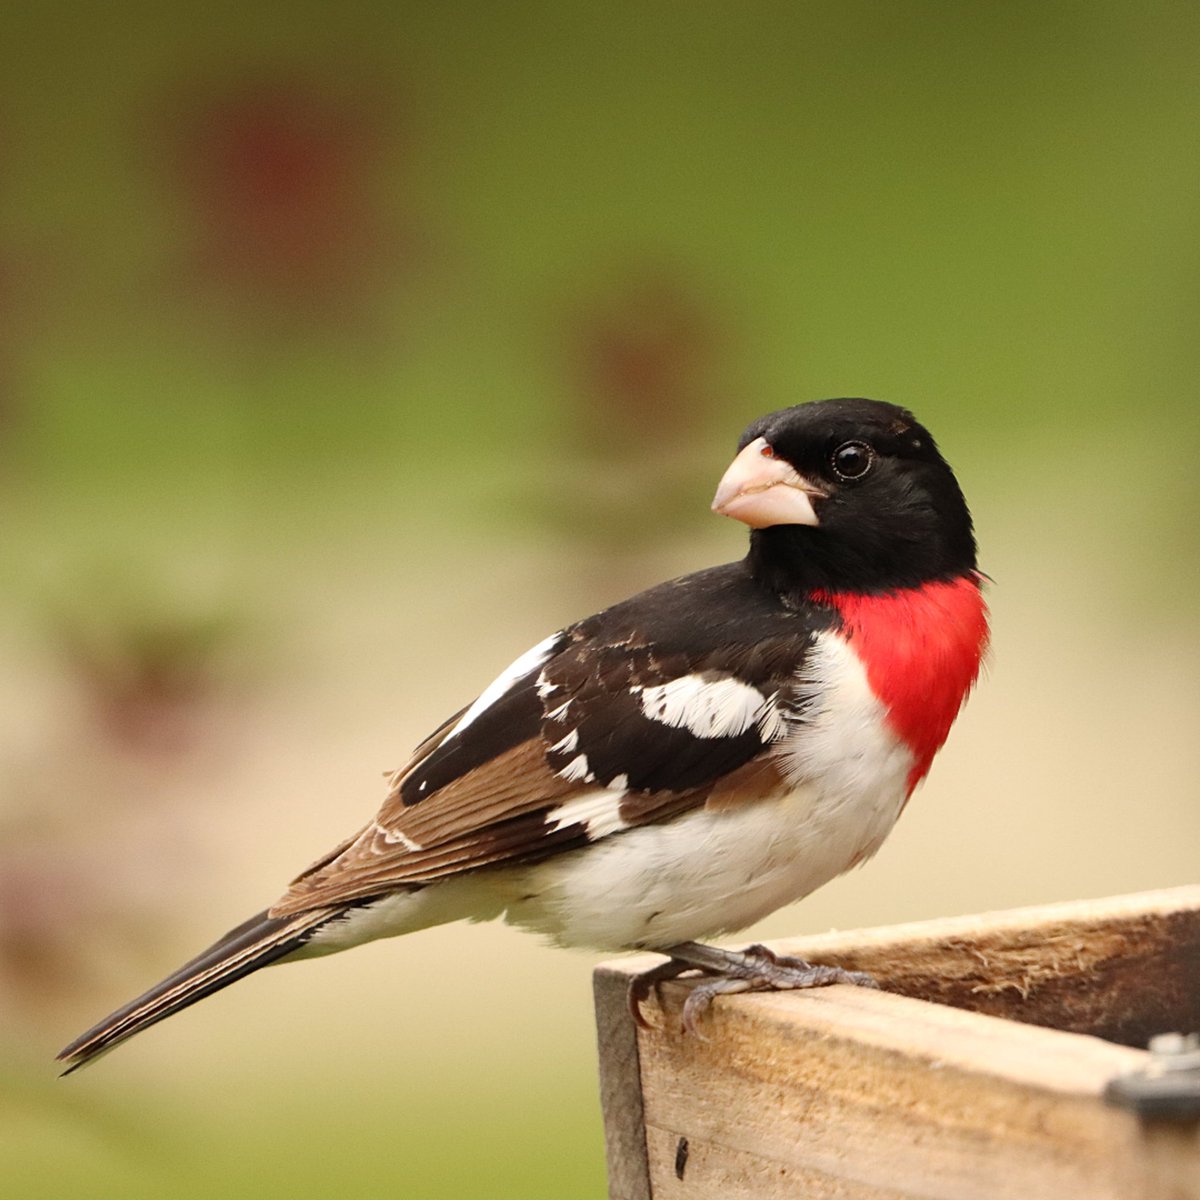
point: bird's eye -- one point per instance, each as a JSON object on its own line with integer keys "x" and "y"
{"x": 852, "y": 460}
{"x": 767, "y": 451}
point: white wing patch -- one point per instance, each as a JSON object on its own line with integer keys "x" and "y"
{"x": 566, "y": 745}
{"x": 598, "y": 812}
{"x": 577, "y": 768}
{"x": 712, "y": 708}
{"x": 394, "y": 836}
{"x": 525, "y": 665}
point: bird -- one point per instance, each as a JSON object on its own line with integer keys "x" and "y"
{"x": 688, "y": 760}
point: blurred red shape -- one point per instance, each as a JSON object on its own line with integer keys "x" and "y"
{"x": 283, "y": 183}
{"x": 645, "y": 357}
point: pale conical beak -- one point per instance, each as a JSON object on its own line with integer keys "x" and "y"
{"x": 761, "y": 490}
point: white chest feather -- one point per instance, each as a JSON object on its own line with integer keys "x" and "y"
{"x": 715, "y": 871}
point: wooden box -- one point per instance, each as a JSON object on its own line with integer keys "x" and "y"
{"x": 979, "y": 1073}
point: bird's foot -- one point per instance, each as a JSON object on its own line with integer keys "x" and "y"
{"x": 755, "y": 969}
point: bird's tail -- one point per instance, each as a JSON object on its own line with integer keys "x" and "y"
{"x": 261, "y": 940}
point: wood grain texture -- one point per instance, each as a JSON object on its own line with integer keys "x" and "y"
{"x": 620, "y": 1089}
{"x": 849, "y": 1093}
{"x": 1122, "y": 968}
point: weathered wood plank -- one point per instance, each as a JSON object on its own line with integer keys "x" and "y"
{"x": 881, "y": 1094}
{"x": 620, "y": 1089}
{"x": 1122, "y": 968}
{"x": 712, "y": 1172}
{"x": 849, "y": 1093}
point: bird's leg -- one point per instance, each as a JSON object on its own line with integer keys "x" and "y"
{"x": 755, "y": 969}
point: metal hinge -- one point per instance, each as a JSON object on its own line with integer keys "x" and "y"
{"x": 1168, "y": 1087}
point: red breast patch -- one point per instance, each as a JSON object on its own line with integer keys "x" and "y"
{"x": 921, "y": 648}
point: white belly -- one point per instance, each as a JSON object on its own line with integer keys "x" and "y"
{"x": 711, "y": 872}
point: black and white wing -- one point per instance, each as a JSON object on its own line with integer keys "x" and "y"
{"x": 666, "y": 702}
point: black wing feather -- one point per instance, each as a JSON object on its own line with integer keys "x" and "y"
{"x": 583, "y": 698}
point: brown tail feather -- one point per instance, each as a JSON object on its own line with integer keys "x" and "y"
{"x": 261, "y": 940}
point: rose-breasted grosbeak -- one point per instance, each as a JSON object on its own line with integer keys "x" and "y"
{"x": 686, "y": 761}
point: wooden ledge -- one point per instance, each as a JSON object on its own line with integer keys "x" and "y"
{"x": 978, "y": 1073}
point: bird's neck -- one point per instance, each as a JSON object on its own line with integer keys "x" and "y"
{"x": 796, "y": 561}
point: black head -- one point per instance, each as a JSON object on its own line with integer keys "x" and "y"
{"x": 847, "y": 495}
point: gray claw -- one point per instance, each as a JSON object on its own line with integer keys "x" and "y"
{"x": 702, "y": 995}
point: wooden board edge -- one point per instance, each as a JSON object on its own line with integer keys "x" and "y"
{"x": 1023, "y": 921}
{"x": 625, "y": 1147}
{"x": 1050, "y": 1061}
{"x": 1123, "y": 968}
{"x": 1109, "y": 909}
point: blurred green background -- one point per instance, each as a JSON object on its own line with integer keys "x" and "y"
{"x": 347, "y": 349}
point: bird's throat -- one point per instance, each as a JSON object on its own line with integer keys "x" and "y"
{"x": 921, "y": 648}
